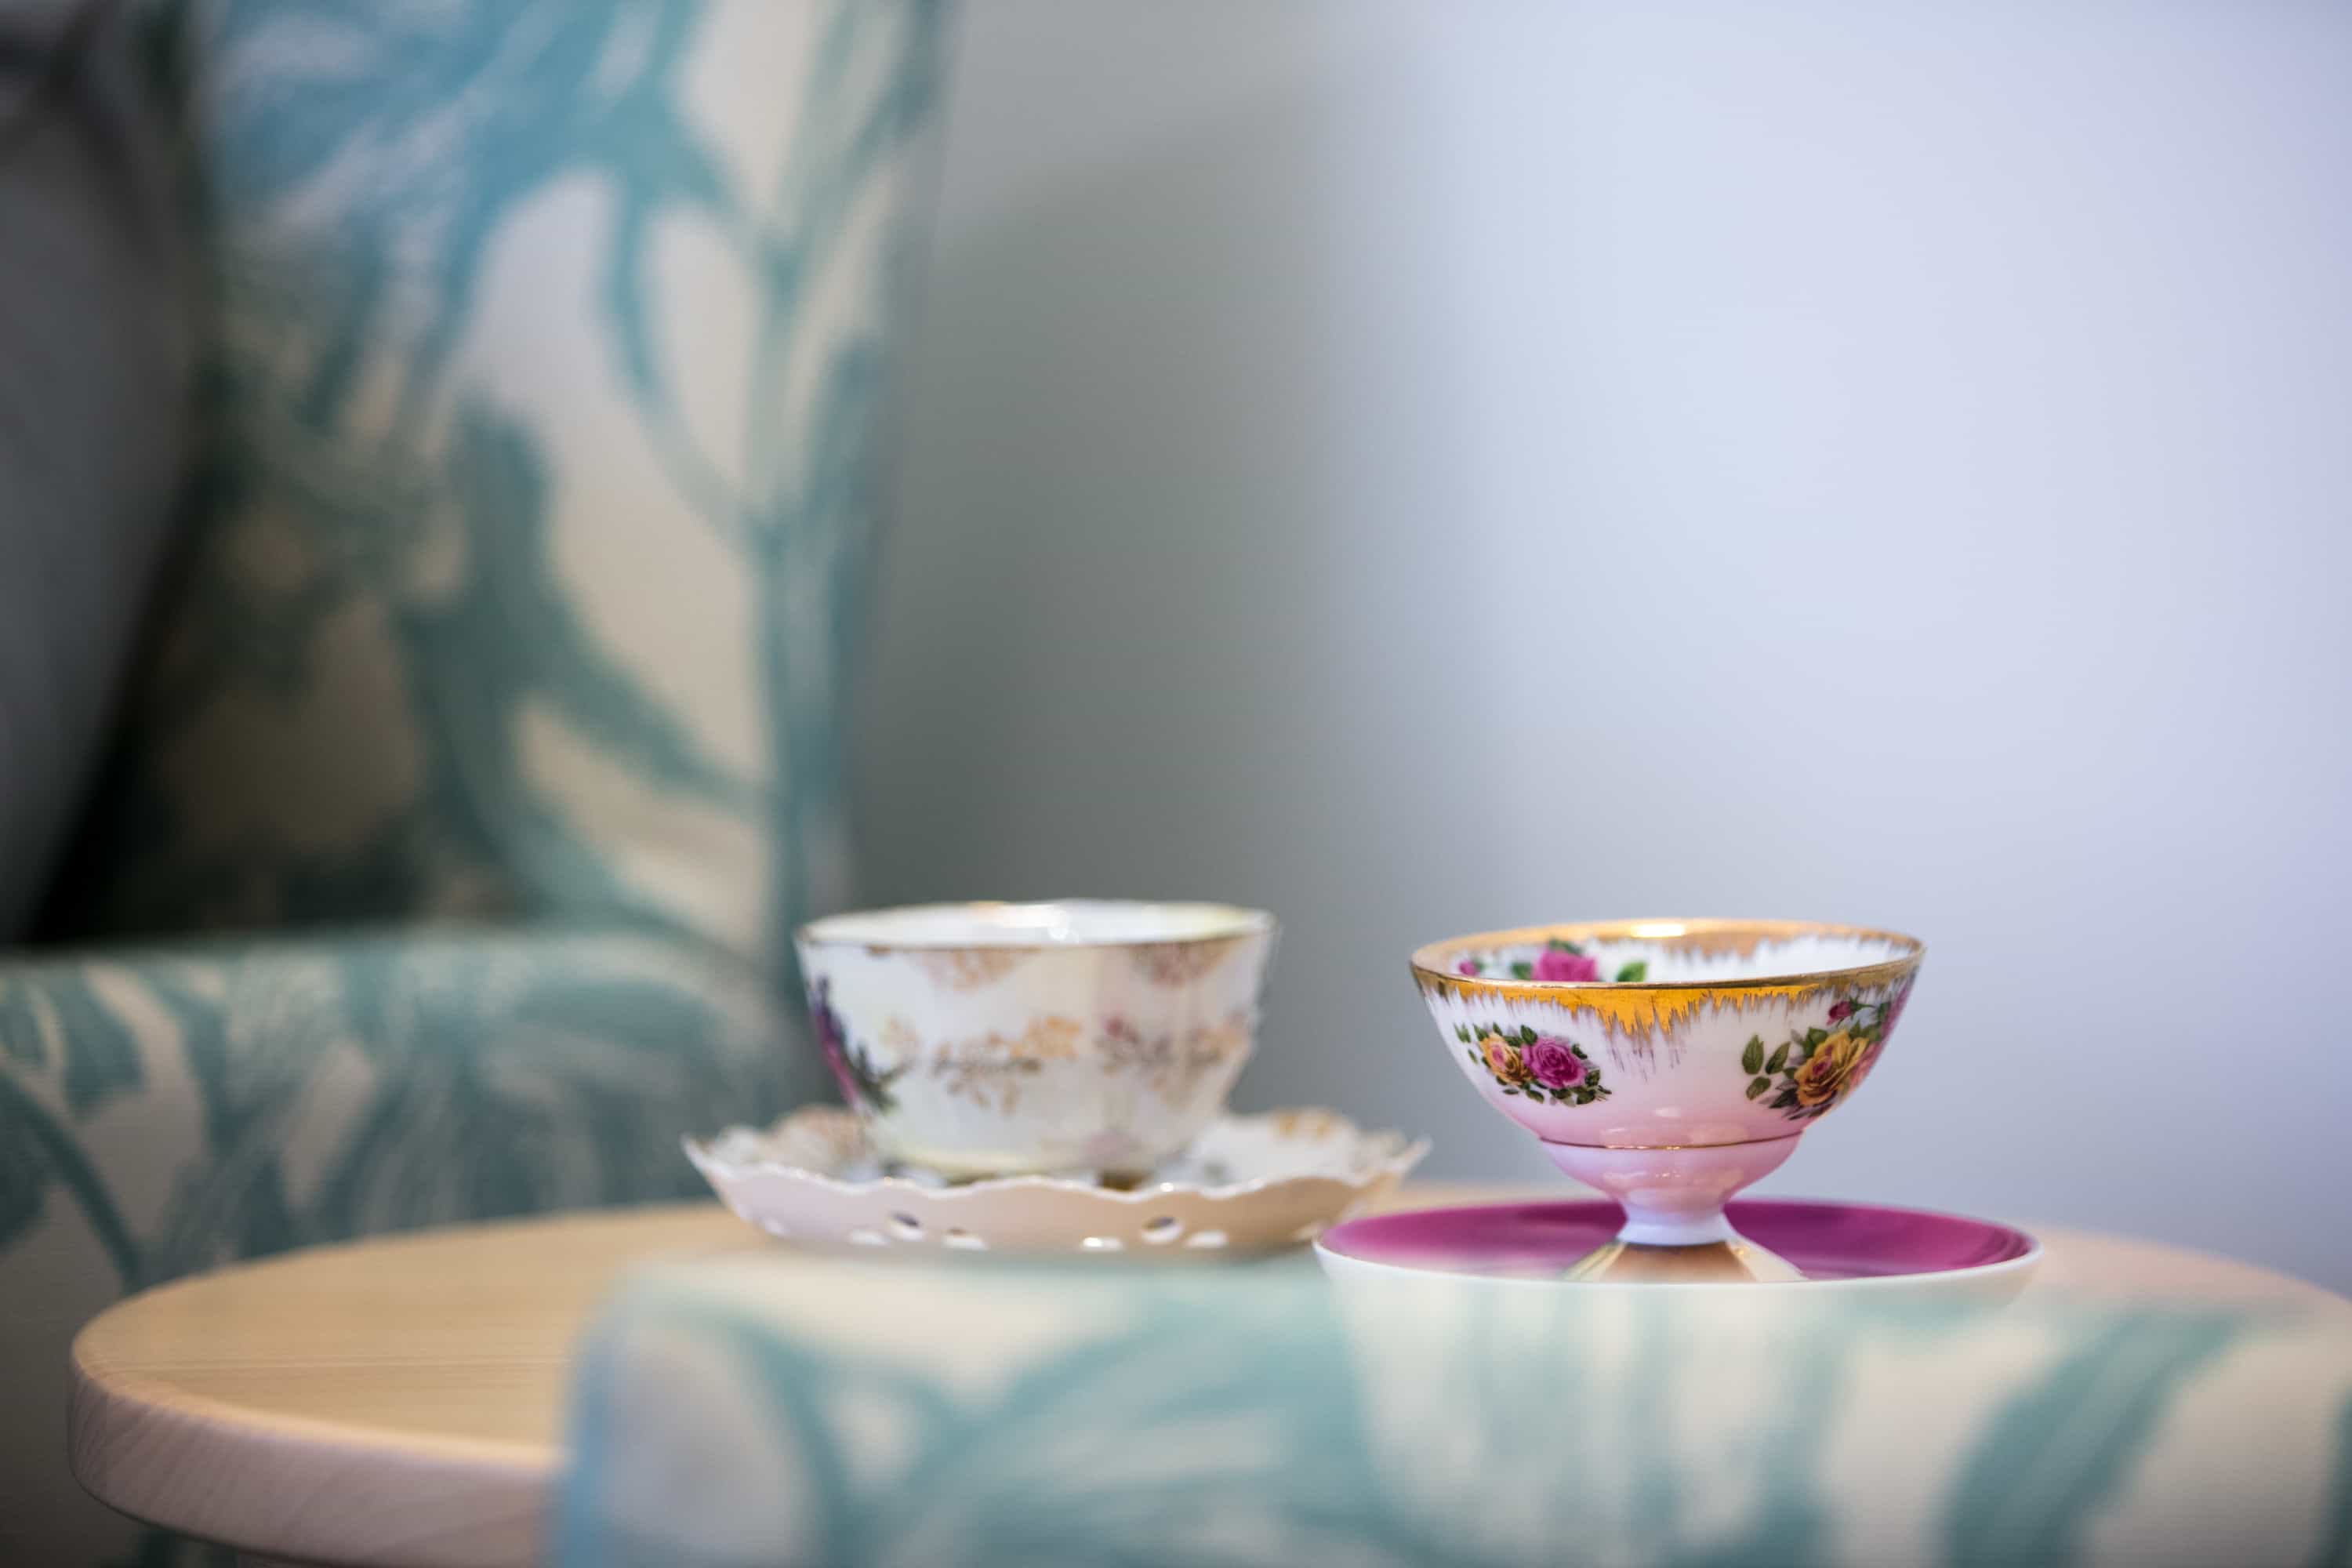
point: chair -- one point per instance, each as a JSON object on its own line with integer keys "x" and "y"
{"x": 487, "y": 743}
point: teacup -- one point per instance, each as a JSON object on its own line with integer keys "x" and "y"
{"x": 987, "y": 1039}
{"x": 1669, "y": 1063}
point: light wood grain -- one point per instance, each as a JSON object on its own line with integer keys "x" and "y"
{"x": 399, "y": 1402}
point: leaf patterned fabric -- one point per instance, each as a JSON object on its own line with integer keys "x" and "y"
{"x": 541, "y": 425}
{"x": 758, "y": 1413}
{"x": 164, "y": 1112}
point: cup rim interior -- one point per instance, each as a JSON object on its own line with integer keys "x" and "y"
{"x": 1000, "y": 926}
{"x": 1432, "y": 961}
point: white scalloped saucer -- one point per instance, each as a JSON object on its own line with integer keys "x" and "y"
{"x": 1248, "y": 1183}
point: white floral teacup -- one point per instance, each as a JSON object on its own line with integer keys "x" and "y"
{"x": 1669, "y": 1063}
{"x": 987, "y": 1039}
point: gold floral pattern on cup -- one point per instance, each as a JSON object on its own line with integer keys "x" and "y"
{"x": 1171, "y": 1063}
{"x": 1180, "y": 962}
{"x": 968, "y": 969}
{"x": 988, "y": 1072}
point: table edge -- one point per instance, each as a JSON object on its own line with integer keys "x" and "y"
{"x": 133, "y": 1443}
{"x": 151, "y": 1449}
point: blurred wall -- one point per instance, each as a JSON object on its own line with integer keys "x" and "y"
{"x": 1423, "y": 467}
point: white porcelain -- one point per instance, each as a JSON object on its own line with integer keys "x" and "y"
{"x": 1673, "y": 1197}
{"x": 1248, "y": 1185}
{"x": 1669, "y": 1063}
{"x": 982, "y": 1039}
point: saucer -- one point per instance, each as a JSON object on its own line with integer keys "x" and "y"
{"x": 1248, "y": 1183}
{"x": 1840, "y": 1247}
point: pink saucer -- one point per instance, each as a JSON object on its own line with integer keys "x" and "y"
{"x": 1828, "y": 1242}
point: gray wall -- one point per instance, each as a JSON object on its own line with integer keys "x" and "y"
{"x": 1420, "y": 467}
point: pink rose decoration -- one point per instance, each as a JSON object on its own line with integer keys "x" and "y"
{"x": 1559, "y": 963}
{"x": 1844, "y": 1009}
{"x": 1550, "y": 1062}
{"x": 1469, "y": 966}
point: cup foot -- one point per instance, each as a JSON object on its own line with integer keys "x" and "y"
{"x": 1673, "y": 1200}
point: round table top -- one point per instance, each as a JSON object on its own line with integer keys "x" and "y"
{"x": 400, "y": 1400}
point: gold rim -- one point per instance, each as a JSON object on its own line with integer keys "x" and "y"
{"x": 1431, "y": 966}
{"x": 1242, "y": 923}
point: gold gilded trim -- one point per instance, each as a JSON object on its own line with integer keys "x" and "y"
{"x": 1639, "y": 1010}
{"x": 1673, "y": 1148}
{"x": 1235, "y": 924}
{"x": 1711, "y": 938}
{"x": 1644, "y": 1008}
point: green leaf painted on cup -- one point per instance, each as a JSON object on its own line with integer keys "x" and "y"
{"x": 1637, "y": 970}
{"x": 1523, "y": 971}
{"x": 1752, "y": 1059}
{"x": 1779, "y": 1058}
{"x": 1757, "y": 1086}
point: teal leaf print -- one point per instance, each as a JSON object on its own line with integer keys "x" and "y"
{"x": 365, "y": 166}
{"x": 55, "y": 1027}
{"x": 24, "y": 1163}
{"x": 23, "y": 1037}
{"x": 366, "y": 172}
{"x": 101, "y": 1054}
{"x": 2335, "y": 1544}
{"x": 2060, "y": 1450}
{"x": 1015, "y": 1475}
{"x": 514, "y": 628}
{"x": 37, "y": 1151}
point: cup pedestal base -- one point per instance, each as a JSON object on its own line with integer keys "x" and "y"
{"x": 1674, "y": 1225}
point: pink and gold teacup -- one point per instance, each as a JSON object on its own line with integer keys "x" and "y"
{"x": 1669, "y": 1063}
{"x": 989, "y": 1039}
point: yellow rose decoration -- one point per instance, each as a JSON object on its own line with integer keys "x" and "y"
{"x": 1503, "y": 1061}
{"x": 1823, "y": 1076}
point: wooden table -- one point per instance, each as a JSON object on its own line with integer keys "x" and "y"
{"x": 400, "y": 1401}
